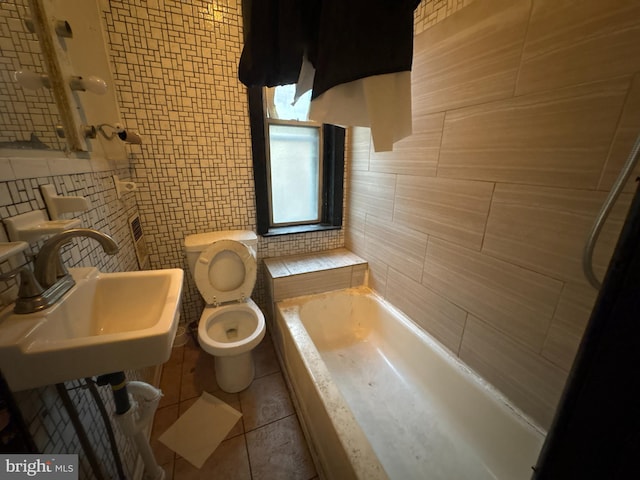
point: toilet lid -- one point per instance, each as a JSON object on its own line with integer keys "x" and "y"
{"x": 225, "y": 271}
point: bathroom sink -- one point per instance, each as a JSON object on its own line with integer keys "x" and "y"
{"x": 108, "y": 322}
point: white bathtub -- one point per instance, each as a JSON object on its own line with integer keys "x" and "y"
{"x": 379, "y": 398}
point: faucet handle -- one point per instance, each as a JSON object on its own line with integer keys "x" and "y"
{"x": 30, "y": 296}
{"x": 29, "y": 286}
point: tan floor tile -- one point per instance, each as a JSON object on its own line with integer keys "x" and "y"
{"x": 170, "y": 384}
{"x": 279, "y": 448}
{"x": 228, "y": 462}
{"x": 163, "y": 419}
{"x": 177, "y": 353}
{"x": 168, "y": 470}
{"x": 191, "y": 351}
{"x": 266, "y": 400}
{"x": 198, "y": 374}
{"x": 264, "y": 358}
{"x": 279, "y": 451}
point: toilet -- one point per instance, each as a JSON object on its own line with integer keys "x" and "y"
{"x": 223, "y": 265}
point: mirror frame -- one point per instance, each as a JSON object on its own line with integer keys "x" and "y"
{"x": 60, "y": 90}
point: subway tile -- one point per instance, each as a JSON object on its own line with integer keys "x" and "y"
{"x": 6, "y": 170}
{"x": 454, "y": 210}
{"x": 471, "y": 57}
{"x": 627, "y": 134}
{"x": 545, "y": 229}
{"x": 32, "y": 167}
{"x": 68, "y": 166}
{"x": 360, "y": 138}
{"x": 310, "y": 283}
{"x": 416, "y": 154}
{"x": 568, "y": 324}
{"x": 279, "y": 267}
{"x": 358, "y": 275}
{"x": 570, "y": 43}
{"x": 377, "y": 278}
{"x": 528, "y": 380}
{"x": 396, "y": 246}
{"x": 558, "y": 138}
{"x": 434, "y": 313}
{"x": 354, "y": 238}
{"x": 372, "y": 192}
{"x": 518, "y": 302}
{"x": 309, "y": 263}
{"x": 5, "y": 196}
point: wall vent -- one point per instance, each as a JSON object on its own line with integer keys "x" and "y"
{"x": 138, "y": 241}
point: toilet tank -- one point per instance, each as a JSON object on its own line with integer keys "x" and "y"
{"x": 195, "y": 244}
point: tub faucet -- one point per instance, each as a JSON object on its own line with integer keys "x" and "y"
{"x": 52, "y": 280}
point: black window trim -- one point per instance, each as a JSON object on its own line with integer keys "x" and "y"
{"x": 333, "y": 138}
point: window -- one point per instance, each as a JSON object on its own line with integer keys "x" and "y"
{"x": 298, "y": 164}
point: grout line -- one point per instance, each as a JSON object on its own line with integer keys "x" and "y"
{"x": 614, "y": 137}
{"x": 524, "y": 43}
{"x": 424, "y": 260}
{"x": 551, "y": 319}
{"x": 464, "y": 328}
{"x": 246, "y": 449}
{"x": 486, "y": 221}
{"x": 444, "y": 121}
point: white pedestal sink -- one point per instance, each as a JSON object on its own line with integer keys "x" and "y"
{"x": 108, "y": 322}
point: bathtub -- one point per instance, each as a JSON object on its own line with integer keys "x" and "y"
{"x": 378, "y": 398}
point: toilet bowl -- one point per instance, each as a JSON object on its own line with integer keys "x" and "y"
{"x": 230, "y": 333}
{"x": 223, "y": 265}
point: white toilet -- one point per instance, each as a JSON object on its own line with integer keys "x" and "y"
{"x": 223, "y": 265}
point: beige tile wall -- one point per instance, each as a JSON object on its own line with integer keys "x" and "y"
{"x": 524, "y": 112}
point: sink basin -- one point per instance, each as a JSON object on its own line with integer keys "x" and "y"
{"x": 108, "y": 322}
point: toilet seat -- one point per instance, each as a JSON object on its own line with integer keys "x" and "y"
{"x": 225, "y": 272}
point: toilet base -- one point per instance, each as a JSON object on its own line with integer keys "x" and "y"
{"x": 235, "y": 372}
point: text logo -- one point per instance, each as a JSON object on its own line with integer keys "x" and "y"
{"x": 52, "y": 467}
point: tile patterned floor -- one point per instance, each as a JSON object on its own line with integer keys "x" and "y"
{"x": 266, "y": 443}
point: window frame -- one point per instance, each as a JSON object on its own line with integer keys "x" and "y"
{"x": 332, "y": 173}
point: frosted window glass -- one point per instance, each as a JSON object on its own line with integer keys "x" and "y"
{"x": 295, "y": 166}
{"x": 280, "y": 103}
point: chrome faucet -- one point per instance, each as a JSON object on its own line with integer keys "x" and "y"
{"x": 49, "y": 268}
{"x": 50, "y": 279}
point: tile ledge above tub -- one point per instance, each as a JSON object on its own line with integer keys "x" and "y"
{"x": 311, "y": 273}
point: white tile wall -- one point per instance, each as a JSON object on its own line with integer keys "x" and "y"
{"x": 175, "y": 69}
{"x": 41, "y": 408}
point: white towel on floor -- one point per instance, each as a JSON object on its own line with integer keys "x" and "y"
{"x": 198, "y": 431}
